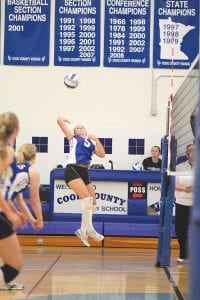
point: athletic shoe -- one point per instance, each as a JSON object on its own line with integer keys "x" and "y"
{"x": 182, "y": 260}
{"x": 95, "y": 235}
{"x": 12, "y": 286}
{"x": 83, "y": 237}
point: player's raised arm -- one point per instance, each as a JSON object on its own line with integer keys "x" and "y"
{"x": 63, "y": 124}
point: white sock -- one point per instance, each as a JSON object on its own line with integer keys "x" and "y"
{"x": 86, "y": 221}
{"x": 90, "y": 225}
{"x": 2, "y": 282}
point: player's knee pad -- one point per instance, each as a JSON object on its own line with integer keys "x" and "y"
{"x": 9, "y": 273}
{"x": 87, "y": 203}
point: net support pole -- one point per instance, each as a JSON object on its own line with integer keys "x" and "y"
{"x": 166, "y": 211}
{"x": 194, "y": 263}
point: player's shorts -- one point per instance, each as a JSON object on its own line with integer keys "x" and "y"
{"x": 73, "y": 172}
{"x": 6, "y": 229}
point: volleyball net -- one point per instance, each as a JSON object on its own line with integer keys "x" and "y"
{"x": 186, "y": 99}
{"x": 181, "y": 106}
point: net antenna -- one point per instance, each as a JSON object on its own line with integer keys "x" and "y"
{"x": 171, "y": 160}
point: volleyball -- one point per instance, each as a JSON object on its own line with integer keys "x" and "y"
{"x": 137, "y": 166}
{"x": 71, "y": 80}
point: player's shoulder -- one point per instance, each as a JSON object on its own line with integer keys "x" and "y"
{"x": 77, "y": 137}
{"x": 33, "y": 172}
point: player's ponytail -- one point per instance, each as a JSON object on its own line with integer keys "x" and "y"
{"x": 26, "y": 153}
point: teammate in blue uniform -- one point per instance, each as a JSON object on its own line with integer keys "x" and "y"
{"x": 24, "y": 175}
{"x": 10, "y": 251}
{"x": 82, "y": 147}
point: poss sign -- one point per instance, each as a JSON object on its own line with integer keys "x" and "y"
{"x": 137, "y": 190}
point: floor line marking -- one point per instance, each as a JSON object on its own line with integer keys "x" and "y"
{"x": 173, "y": 284}
{"x": 42, "y": 277}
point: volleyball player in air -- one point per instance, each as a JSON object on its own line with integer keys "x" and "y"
{"x": 82, "y": 147}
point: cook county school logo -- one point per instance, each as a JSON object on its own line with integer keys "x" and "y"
{"x": 154, "y": 199}
{"x": 155, "y": 206}
{"x": 111, "y": 199}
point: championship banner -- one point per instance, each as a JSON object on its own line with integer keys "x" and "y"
{"x": 127, "y": 34}
{"x": 27, "y": 26}
{"x": 77, "y": 33}
{"x": 176, "y": 33}
{"x": 111, "y": 198}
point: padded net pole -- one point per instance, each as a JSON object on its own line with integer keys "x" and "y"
{"x": 166, "y": 210}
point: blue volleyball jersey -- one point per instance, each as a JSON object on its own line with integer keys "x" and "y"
{"x": 81, "y": 150}
{"x": 18, "y": 181}
{"x": 7, "y": 177}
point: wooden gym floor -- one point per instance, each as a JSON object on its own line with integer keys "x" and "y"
{"x": 97, "y": 273}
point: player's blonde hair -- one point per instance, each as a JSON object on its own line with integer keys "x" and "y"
{"x": 26, "y": 153}
{"x": 3, "y": 150}
{"x": 8, "y": 123}
{"x": 79, "y": 127}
